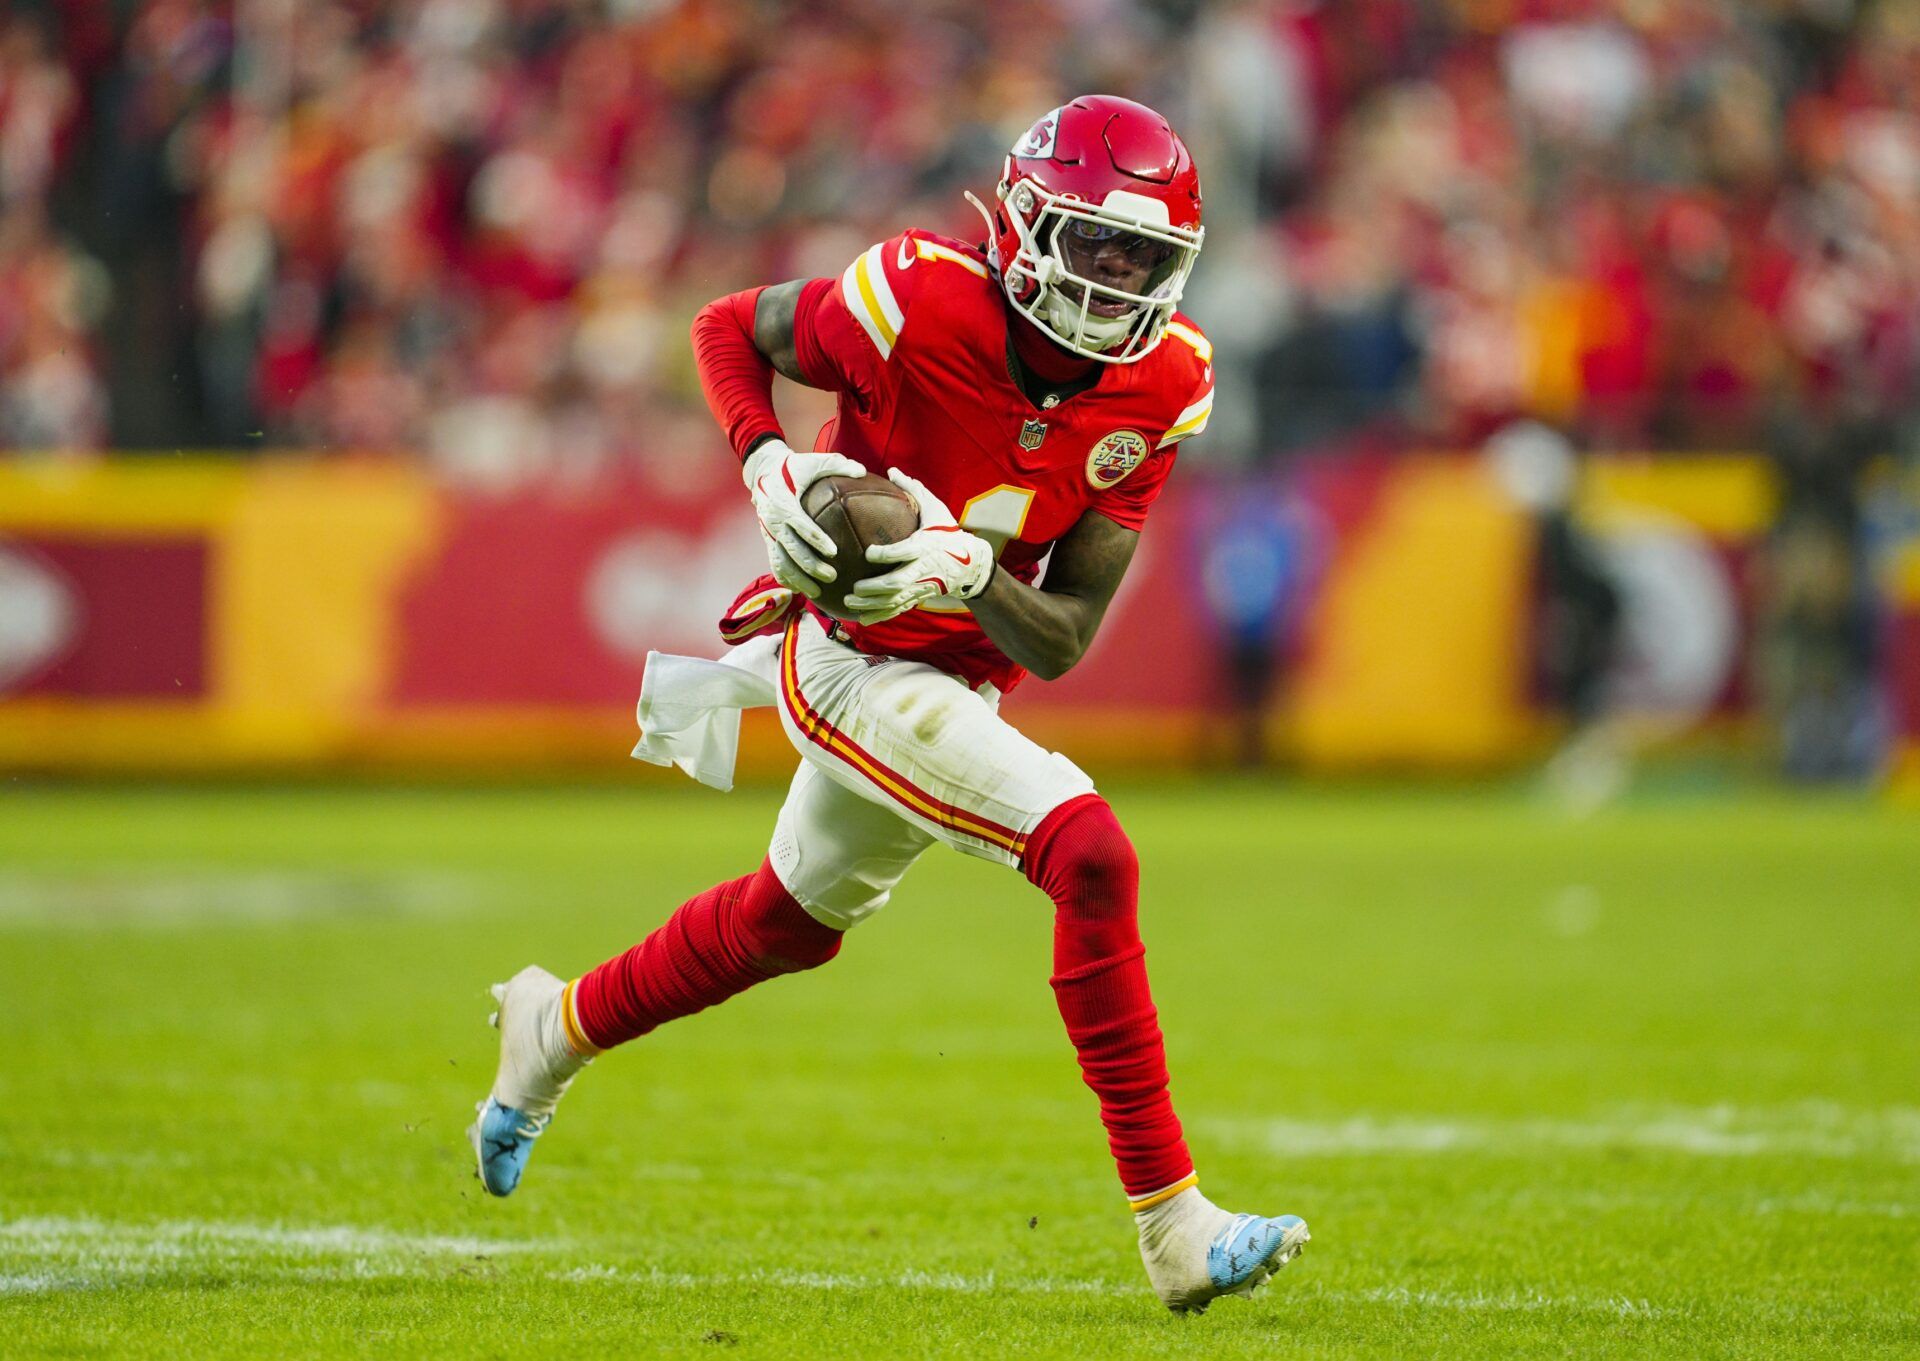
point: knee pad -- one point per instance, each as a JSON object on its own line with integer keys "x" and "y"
{"x": 792, "y": 955}
{"x": 778, "y": 933}
{"x": 1083, "y": 859}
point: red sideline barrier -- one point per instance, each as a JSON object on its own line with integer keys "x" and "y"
{"x": 121, "y": 619}
{"x": 303, "y": 614}
{"x": 547, "y": 603}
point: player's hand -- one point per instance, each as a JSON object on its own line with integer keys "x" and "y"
{"x": 798, "y": 549}
{"x": 937, "y": 559}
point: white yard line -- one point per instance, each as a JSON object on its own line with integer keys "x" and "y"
{"x": 121, "y": 1271}
{"x": 1812, "y": 1129}
{"x": 98, "y": 1159}
{"x": 65, "y": 1254}
{"x": 939, "y": 1281}
{"x": 1814, "y": 1203}
{"x": 952, "y": 1283}
{"x": 1505, "y": 1302}
{"x": 30, "y": 1283}
{"x": 52, "y": 1233}
{"x": 61, "y": 1253}
{"x": 161, "y": 896}
{"x": 47, "y": 1254}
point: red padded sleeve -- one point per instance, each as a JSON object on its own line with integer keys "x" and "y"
{"x": 736, "y": 377}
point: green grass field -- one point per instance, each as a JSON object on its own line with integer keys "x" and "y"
{"x": 1645, "y": 1085}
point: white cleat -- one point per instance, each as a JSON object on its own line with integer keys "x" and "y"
{"x": 537, "y": 1063}
{"x": 1196, "y": 1252}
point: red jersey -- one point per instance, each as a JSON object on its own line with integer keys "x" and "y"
{"x": 913, "y": 338}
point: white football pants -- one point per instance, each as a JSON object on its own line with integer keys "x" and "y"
{"x": 897, "y": 755}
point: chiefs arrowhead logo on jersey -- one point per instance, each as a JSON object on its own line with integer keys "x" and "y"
{"x": 1114, "y": 457}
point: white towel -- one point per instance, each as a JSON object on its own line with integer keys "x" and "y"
{"x": 689, "y": 710}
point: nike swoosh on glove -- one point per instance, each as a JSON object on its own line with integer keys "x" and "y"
{"x": 797, "y": 548}
{"x": 937, "y": 559}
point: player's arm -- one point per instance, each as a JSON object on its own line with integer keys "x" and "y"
{"x": 738, "y": 343}
{"x": 773, "y": 328}
{"x": 1048, "y": 629}
{"x": 804, "y": 330}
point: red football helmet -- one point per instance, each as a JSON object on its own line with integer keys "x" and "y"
{"x": 1097, "y": 226}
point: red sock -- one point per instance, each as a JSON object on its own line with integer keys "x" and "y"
{"x": 1084, "y": 861}
{"x": 722, "y": 942}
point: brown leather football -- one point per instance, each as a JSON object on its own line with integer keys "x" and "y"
{"x": 857, "y": 512}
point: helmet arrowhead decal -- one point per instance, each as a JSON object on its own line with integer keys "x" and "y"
{"x": 1038, "y": 143}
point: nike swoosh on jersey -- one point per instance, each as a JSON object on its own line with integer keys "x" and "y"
{"x": 905, "y": 260}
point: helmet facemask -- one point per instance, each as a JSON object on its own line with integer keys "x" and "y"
{"x": 1051, "y": 278}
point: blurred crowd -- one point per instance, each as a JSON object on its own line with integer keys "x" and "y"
{"x": 1656, "y": 225}
{"x": 478, "y": 228}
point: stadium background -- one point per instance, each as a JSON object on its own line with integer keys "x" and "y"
{"x": 352, "y": 424}
{"x": 1557, "y": 529}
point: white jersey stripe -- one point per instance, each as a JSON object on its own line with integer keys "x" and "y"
{"x": 1190, "y": 422}
{"x": 1175, "y": 436}
{"x": 877, "y": 276}
{"x": 851, "y": 294}
{"x": 1199, "y": 408}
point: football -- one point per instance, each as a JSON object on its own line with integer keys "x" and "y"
{"x": 858, "y": 512}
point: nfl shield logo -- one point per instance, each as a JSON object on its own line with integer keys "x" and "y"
{"x": 1031, "y": 434}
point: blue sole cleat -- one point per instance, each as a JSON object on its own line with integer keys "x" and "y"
{"x": 502, "y": 1142}
{"x": 1247, "y": 1253}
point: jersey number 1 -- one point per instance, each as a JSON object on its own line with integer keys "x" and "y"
{"x": 996, "y": 516}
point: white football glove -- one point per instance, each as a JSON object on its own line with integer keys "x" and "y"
{"x": 937, "y": 559}
{"x": 777, "y": 478}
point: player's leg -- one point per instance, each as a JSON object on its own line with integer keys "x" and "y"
{"x": 1194, "y": 1251}
{"x": 834, "y": 859}
{"x": 909, "y": 738}
{"x": 715, "y": 944}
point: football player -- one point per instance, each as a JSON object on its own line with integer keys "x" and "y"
{"x": 1030, "y": 394}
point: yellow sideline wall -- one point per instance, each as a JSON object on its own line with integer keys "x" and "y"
{"x": 1414, "y": 656}
{"x": 303, "y": 563}
{"x": 1903, "y": 593}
